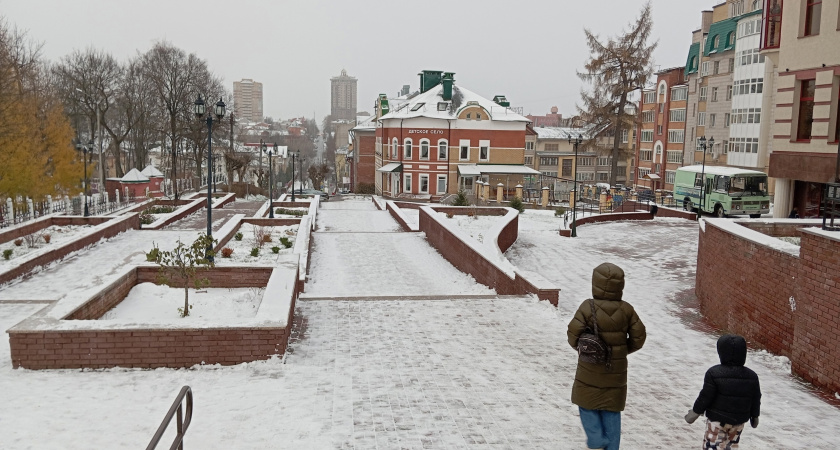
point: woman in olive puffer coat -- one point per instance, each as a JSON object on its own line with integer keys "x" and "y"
{"x": 601, "y": 391}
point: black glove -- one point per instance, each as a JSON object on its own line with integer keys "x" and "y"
{"x": 692, "y": 416}
{"x": 754, "y": 422}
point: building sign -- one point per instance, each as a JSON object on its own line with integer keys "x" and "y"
{"x": 425, "y": 132}
{"x": 833, "y": 192}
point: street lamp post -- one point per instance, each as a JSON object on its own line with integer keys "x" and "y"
{"x": 575, "y": 141}
{"x": 84, "y": 153}
{"x": 294, "y": 155}
{"x": 270, "y": 152}
{"x": 711, "y": 144}
{"x": 219, "y": 110}
{"x": 301, "y": 175}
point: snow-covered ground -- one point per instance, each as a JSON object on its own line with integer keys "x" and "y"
{"x": 478, "y": 373}
{"x": 149, "y": 301}
{"x": 58, "y": 236}
{"x": 266, "y": 257}
{"x": 476, "y": 226}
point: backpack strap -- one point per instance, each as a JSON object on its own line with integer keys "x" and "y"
{"x": 594, "y": 317}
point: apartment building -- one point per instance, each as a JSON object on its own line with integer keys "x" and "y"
{"x": 248, "y": 100}
{"x": 661, "y": 138}
{"x": 800, "y": 41}
{"x": 343, "y": 97}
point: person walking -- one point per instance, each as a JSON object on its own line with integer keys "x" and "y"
{"x": 600, "y": 390}
{"x": 730, "y": 397}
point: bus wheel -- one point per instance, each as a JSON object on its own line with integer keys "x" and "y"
{"x": 719, "y": 211}
{"x": 687, "y": 205}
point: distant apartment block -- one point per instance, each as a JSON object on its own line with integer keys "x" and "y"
{"x": 248, "y": 100}
{"x": 343, "y": 97}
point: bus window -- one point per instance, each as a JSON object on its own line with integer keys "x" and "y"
{"x": 698, "y": 180}
{"x": 721, "y": 183}
{"x": 748, "y": 186}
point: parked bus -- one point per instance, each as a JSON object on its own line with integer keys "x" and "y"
{"x": 726, "y": 190}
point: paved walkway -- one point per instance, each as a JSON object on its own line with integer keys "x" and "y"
{"x": 198, "y": 220}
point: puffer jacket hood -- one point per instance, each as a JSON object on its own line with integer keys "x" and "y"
{"x": 732, "y": 350}
{"x": 607, "y": 282}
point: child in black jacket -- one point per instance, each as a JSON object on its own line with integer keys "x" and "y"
{"x": 731, "y": 396}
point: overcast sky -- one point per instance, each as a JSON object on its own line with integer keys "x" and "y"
{"x": 528, "y": 50}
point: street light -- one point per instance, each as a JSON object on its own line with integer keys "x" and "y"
{"x": 294, "y": 155}
{"x": 301, "y": 174}
{"x": 575, "y": 141}
{"x": 270, "y": 151}
{"x": 199, "y": 109}
{"x": 703, "y": 172}
{"x": 85, "y": 181}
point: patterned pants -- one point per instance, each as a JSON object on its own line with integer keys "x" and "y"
{"x": 719, "y": 437}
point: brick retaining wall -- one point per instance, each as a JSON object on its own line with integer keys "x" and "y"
{"x": 119, "y": 225}
{"x": 39, "y": 224}
{"x": 785, "y": 303}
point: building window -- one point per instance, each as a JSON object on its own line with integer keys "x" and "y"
{"x": 717, "y": 67}
{"x": 701, "y": 119}
{"x": 729, "y": 92}
{"x": 529, "y": 161}
{"x": 748, "y": 86}
{"x": 483, "y": 150}
{"x": 730, "y": 42}
{"x": 407, "y": 149}
{"x": 443, "y": 150}
{"x": 716, "y": 43}
{"x": 670, "y": 176}
{"x": 407, "y": 182}
{"x": 645, "y": 155}
{"x": 711, "y": 120}
{"x": 746, "y": 115}
{"x": 704, "y": 68}
{"x": 643, "y": 171}
{"x": 552, "y": 147}
{"x": 586, "y": 161}
{"x": 813, "y": 12}
{"x": 424, "y": 149}
{"x": 806, "y": 109}
{"x": 677, "y": 115}
{"x": 603, "y": 161}
{"x": 679, "y": 94}
{"x": 650, "y": 97}
{"x": 726, "y": 120}
{"x": 676, "y": 136}
{"x": 647, "y": 135}
{"x": 441, "y": 184}
{"x": 648, "y": 116}
{"x": 703, "y": 91}
{"x": 529, "y": 145}
{"x": 395, "y": 146}
{"x": 742, "y": 145}
{"x": 424, "y": 184}
{"x": 714, "y": 94}
{"x": 465, "y": 151}
{"x": 659, "y": 129}
{"x": 567, "y": 167}
{"x": 625, "y": 135}
{"x": 675, "y": 156}
{"x": 548, "y": 161}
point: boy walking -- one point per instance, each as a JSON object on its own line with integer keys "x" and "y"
{"x": 730, "y": 397}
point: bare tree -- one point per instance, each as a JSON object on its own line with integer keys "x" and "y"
{"x": 615, "y": 69}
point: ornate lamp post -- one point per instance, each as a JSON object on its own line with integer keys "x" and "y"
{"x": 87, "y": 185}
{"x": 270, "y": 151}
{"x": 575, "y": 141}
{"x": 219, "y": 110}
{"x": 294, "y": 155}
{"x": 711, "y": 144}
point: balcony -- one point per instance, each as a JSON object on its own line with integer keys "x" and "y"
{"x": 772, "y": 31}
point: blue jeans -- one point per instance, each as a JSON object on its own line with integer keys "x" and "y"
{"x": 603, "y": 428}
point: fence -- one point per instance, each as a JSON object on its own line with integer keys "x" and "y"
{"x": 20, "y": 210}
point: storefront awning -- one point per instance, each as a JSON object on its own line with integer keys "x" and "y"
{"x": 475, "y": 170}
{"x": 468, "y": 170}
{"x": 651, "y": 176}
{"x": 390, "y": 167}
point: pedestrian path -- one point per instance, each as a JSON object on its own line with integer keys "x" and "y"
{"x": 198, "y": 220}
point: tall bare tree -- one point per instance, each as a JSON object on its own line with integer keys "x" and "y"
{"x": 172, "y": 74}
{"x": 615, "y": 69}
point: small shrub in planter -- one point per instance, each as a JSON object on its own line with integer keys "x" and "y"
{"x": 286, "y": 242}
{"x": 153, "y": 254}
{"x": 289, "y": 212}
{"x": 449, "y": 215}
{"x": 226, "y": 252}
{"x": 559, "y": 211}
{"x": 266, "y": 238}
{"x": 516, "y": 203}
{"x": 238, "y": 236}
{"x": 275, "y": 249}
{"x": 461, "y": 199}
{"x": 18, "y": 242}
{"x": 47, "y": 238}
{"x": 146, "y": 218}
{"x": 7, "y": 254}
{"x": 255, "y": 252}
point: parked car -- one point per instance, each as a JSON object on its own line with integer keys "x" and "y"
{"x": 324, "y": 196}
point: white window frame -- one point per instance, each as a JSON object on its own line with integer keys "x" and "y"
{"x": 484, "y": 147}
{"x": 677, "y": 115}
{"x": 676, "y": 136}
{"x": 701, "y": 119}
{"x": 464, "y": 143}
{"x": 427, "y": 144}
{"x": 407, "y": 148}
{"x": 445, "y": 145}
{"x": 647, "y": 136}
{"x": 395, "y": 148}
{"x": 423, "y": 177}
{"x": 704, "y": 90}
{"x": 407, "y": 182}
{"x": 445, "y": 182}
{"x": 670, "y": 176}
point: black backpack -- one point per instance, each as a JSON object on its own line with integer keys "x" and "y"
{"x": 591, "y": 348}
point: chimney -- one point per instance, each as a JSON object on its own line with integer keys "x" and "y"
{"x": 383, "y": 105}
{"x": 448, "y": 81}
{"x": 501, "y": 101}
{"x": 429, "y": 79}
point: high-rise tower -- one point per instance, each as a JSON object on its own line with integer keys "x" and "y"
{"x": 343, "y": 97}
{"x": 248, "y": 100}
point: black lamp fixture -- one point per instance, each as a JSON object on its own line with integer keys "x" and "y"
{"x": 199, "y": 108}
{"x": 575, "y": 141}
{"x": 270, "y": 151}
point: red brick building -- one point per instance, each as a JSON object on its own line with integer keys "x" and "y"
{"x": 446, "y": 139}
{"x": 362, "y": 160}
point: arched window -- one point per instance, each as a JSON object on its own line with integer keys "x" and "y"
{"x": 395, "y": 145}
{"x": 407, "y": 149}
{"x": 424, "y": 149}
{"x": 693, "y": 65}
{"x": 443, "y": 150}
{"x": 661, "y": 89}
{"x": 716, "y": 43}
{"x": 730, "y": 40}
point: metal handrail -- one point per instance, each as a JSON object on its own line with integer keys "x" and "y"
{"x": 183, "y": 423}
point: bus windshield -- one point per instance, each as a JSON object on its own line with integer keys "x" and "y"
{"x": 748, "y": 186}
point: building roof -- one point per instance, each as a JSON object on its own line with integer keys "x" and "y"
{"x": 693, "y": 57}
{"x": 365, "y": 123}
{"x": 151, "y": 171}
{"x": 134, "y": 176}
{"x": 720, "y": 170}
{"x": 472, "y": 170}
{"x": 429, "y": 103}
{"x": 560, "y": 132}
{"x": 724, "y": 28}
